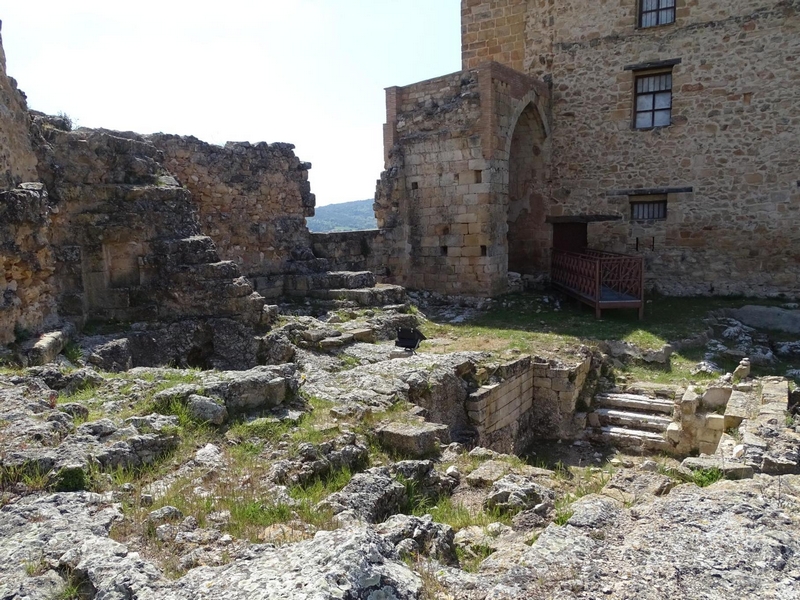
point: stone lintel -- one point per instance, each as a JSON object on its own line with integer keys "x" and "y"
{"x": 652, "y": 191}
{"x": 655, "y": 64}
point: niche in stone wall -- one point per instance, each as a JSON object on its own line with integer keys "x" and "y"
{"x": 529, "y": 237}
{"x": 122, "y": 264}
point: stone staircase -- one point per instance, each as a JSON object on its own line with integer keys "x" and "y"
{"x": 631, "y": 420}
{"x": 358, "y": 287}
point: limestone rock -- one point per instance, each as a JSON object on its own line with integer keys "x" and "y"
{"x": 431, "y": 539}
{"x": 206, "y": 409}
{"x": 732, "y": 469}
{"x": 638, "y": 485}
{"x": 373, "y": 495}
{"x": 514, "y": 493}
{"x": 413, "y": 439}
{"x": 487, "y": 473}
{"x": 113, "y": 356}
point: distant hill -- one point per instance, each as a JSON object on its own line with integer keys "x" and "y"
{"x": 347, "y": 216}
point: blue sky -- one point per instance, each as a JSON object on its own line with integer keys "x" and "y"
{"x": 309, "y": 72}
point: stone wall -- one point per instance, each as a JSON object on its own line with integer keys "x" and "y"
{"x": 124, "y": 235}
{"x": 27, "y": 261}
{"x": 252, "y": 201}
{"x": 350, "y": 250}
{"x": 533, "y": 400}
{"x": 728, "y": 162}
{"x": 444, "y": 199}
{"x": 17, "y": 159}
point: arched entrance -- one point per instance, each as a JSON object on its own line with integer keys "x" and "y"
{"x": 529, "y": 237}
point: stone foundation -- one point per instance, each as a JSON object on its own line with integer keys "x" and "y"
{"x": 534, "y": 400}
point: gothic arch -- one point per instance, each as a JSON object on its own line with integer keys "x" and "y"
{"x": 529, "y": 236}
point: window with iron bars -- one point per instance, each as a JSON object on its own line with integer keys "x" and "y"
{"x": 653, "y": 208}
{"x": 653, "y": 100}
{"x": 656, "y": 12}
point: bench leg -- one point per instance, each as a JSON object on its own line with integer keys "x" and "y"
{"x": 641, "y": 312}
{"x": 597, "y": 311}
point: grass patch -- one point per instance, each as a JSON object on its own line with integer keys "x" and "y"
{"x": 471, "y": 559}
{"x": 36, "y": 566}
{"x": 705, "y": 477}
{"x": 72, "y": 352}
{"x": 444, "y": 510}
{"x": 563, "y": 514}
{"x": 524, "y": 322}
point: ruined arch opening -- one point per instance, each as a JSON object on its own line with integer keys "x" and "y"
{"x": 529, "y": 237}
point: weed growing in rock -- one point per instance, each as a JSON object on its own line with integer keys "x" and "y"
{"x": 563, "y": 514}
{"x": 705, "y": 477}
{"x": 72, "y": 352}
{"x": 470, "y": 560}
{"x": 36, "y": 566}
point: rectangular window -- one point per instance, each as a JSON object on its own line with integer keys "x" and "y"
{"x": 653, "y": 100}
{"x": 656, "y": 12}
{"x": 649, "y": 209}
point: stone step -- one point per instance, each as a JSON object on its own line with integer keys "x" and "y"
{"x": 637, "y": 420}
{"x": 342, "y": 280}
{"x": 658, "y": 390}
{"x": 633, "y": 438}
{"x": 741, "y": 406}
{"x": 635, "y": 402}
{"x": 380, "y": 295}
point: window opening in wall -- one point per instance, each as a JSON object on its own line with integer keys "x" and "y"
{"x": 478, "y": 176}
{"x": 484, "y": 251}
{"x": 414, "y": 185}
{"x": 656, "y": 12}
{"x": 654, "y": 208}
{"x": 443, "y": 250}
{"x": 653, "y": 100}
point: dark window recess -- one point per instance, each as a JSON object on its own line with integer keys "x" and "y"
{"x": 478, "y": 176}
{"x": 646, "y": 211}
{"x": 653, "y": 100}
{"x": 484, "y": 251}
{"x": 414, "y": 185}
{"x": 656, "y": 12}
{"x": 443, "y": 250}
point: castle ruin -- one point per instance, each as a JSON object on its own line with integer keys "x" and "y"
{"x": 663, "y": 129}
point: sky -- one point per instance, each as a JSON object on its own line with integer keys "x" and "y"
{"x": 308, "y": 72}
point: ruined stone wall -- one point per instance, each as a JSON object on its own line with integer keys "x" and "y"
{"x": 728, "y": 162}
{"x": 350, "y": 250}
{"x": 125, "y": 237}
{"x": 252, "y": 201}
{"x": 444, "y": 197}
{"x": 436, "y": 137}
{"x": 534, "y": 400}
{"x": 27, "y": 262}
{"x": 17, "y": 158}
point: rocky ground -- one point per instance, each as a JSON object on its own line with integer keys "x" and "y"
{"x": 326, "y": 474}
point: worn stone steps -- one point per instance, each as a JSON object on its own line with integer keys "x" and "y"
{"x": 632, "y": 438}
{"x": 636, "y": 402}
{"x": 635, "y": 420}
{"x": 347, "y": 280}
{"x": 380, "y": 295}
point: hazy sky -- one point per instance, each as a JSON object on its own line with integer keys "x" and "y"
{"x": 308, "y": 72}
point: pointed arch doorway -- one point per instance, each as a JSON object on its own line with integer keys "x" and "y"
{"x": 529, "y": 236}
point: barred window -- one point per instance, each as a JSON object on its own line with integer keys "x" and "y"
{"x": 653, "y": 100}
{"x": 648, "y": 208}
{"x": 656, "y": 12}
